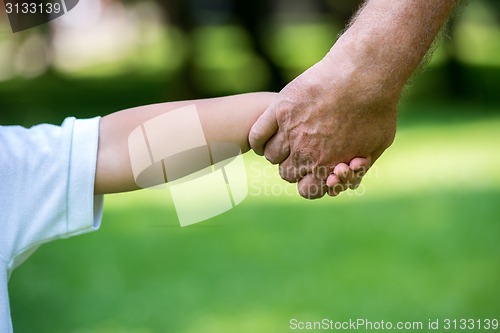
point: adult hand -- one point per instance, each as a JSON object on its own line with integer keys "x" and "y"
{"x": 332, "y": 122}
{"x": 340, "y": 115}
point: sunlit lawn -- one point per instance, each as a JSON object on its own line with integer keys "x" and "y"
{"x": 420, "y": 241}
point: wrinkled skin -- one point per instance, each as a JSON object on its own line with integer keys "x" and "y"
{"x": 326, "y": 128}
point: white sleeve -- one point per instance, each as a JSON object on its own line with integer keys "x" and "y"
{"x": 49, "y": 173}
{"x": 47, "y": 190}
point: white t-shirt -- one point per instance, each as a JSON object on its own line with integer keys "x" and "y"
{"x": 46, "y": 191}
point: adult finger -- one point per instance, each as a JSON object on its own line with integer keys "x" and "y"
{"x": 311, "y": 187}
{"x": 263, "y": 129}
{"x": 277, "y": 149}
{"x": 296, "y": 166}
{"x": 289, "y": 172}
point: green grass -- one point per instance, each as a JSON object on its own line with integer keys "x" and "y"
{"x": 421, "y": 242}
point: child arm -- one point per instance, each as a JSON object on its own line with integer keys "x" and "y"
{"x": 225, "y": 119}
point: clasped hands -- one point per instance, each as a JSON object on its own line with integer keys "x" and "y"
{"x": 327, "y": 127}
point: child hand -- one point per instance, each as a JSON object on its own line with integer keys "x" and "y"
{"x": 347, "y": 176}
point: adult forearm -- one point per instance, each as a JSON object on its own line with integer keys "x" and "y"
{"x": 387, "y": 40}
{"x": 345, "y": 106}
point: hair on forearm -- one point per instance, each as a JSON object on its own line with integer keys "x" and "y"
{"x": 353, "y": 18}
{"x": 444, "y": 33}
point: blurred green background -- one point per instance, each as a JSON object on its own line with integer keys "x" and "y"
{"x": 419, "y": 240}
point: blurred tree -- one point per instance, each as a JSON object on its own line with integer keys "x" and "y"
{"x": 253, "y": 15}
{"x": 260, "y": 18}
{"x": 255, "y": 18}
{"x": 462, "y": 80}
{"x": 494, "y": 5}
{"x": 453, "y": 70}
{"x": 187, "y": 15}
{"x": 341, "y": 10}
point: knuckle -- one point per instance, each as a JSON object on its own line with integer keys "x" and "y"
{"x": 311, "y": 191}
{"x": 322, "y": 171}
{"x": 289, "y": 173}
{"x": 271, "y": 156}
